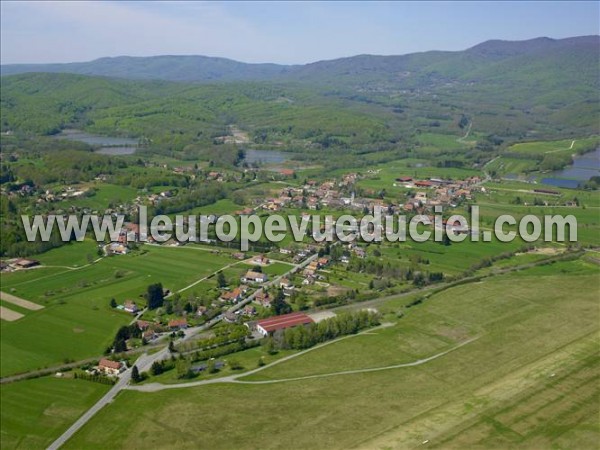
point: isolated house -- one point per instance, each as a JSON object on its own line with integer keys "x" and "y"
{"x": 178, "y": 324}
{"x": 130, "y": 306}
{"x": 263, "y": 298}
{"x": 254, "y": 277}
{"x": 110, "y": 367}
{"x": 234, "y": 295}
{"x": 261, "y": 260}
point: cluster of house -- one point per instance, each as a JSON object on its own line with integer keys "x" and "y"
{"x": 310, "y": 271}
{"x": 438, "y": 192}
{"x": 10, "y": 265}
{"x": 152, "y": 330}
{"x": 64, "y": 194}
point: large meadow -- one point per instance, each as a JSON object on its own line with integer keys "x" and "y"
{"x": 77, "y": 321}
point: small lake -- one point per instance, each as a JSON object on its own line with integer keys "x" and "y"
{"x": 108, "y": 145}
{"x": 583, "y": 168}
{"x": 266, "y": 157}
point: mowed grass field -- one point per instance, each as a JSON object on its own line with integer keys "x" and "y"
{"x": 35, "y": 412}
{"x": 543, "y": 147}
{"x": 77, "y": 321}
{"x": 529, "y": 379}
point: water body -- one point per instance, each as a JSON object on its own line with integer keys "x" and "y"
{"x": 583, "y": 168}
{"x": 116, "y": 150}
{"x": 266, "y": 157}
{"x": 108, "y": 145}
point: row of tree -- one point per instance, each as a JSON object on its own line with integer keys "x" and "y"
{"x": 343, "y": 324}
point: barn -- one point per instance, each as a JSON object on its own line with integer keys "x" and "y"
{"x": 269, "y": 326}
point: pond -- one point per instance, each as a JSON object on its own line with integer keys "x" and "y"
{"x": 108, "y": 145}
{"x": 583, "y": 168}
{"x": 266, "y": 157}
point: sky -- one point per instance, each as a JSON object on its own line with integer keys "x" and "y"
{"x": 285, "y": 32}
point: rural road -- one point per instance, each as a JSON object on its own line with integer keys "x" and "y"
{"x": 108, "y": 397}
{"x": 145, "y": 361}
{"x": 155, "y": 387}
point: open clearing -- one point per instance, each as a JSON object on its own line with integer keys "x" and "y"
{"x": 9, "y": 315}
{"x": 34, "y": 412}
{"x": 528, "y": 380}
{"x": 19, "y": 301}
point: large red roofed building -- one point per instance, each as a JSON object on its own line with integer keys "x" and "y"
{"x": 272, "y": 324}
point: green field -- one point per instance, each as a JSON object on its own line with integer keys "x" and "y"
{"x": 35, "y": 412}
{"x": 77, "y": 321}
{"x": 529, "y": 379}
{"x": 543, "y": 147}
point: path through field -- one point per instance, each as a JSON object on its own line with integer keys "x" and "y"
{"x": 19, "y": 301}
{"x": 154, "y": 387}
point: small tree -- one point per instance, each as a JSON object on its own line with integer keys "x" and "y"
{"x": 221, "y": 281}
{"x": 235, "y": 364}
{"x": 211, "y": 366}
{"x": 172, "y": 348}
{"x": 269, "y": 345}
{"x": 113, "y": 303}
{"x": 120, "y": 346}
{"x": 155, "y": 296}
{"x": 157, "y": 368}
{"x": 135, "y": 375}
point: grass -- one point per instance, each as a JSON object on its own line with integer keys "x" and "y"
{"x": 77, "y": 321}
{"x": 74, "y": 254}
{"x": 478, "y": 395}
{"x": 543, "y": 147}
{"x": 35, "y": 412}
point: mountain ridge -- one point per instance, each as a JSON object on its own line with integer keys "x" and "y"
{"x": 199, "y": 68}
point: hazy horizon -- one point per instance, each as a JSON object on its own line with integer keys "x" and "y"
{"x": 280, "y": 33}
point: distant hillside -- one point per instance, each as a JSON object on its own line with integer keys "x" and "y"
{"x": 512, "y": 90}
{"x": 170, "y": 68}
{"x": 411, "y": 70}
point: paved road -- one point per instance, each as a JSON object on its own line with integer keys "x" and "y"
{"x": 145, "y": 361}
{"x": 108, "y": 397}
{"x": 155, "y": 387}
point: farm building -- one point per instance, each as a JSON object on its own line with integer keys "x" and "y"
{"x": 272, "y": 324}
{"x": 23, "y": 263}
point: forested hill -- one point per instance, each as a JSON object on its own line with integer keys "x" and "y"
{"x": 512, "y": 90}
{"x": 541, "y": 58}
{"x": 168, "y": 67}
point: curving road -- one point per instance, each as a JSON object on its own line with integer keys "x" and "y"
{"x": 155, "y": 387}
